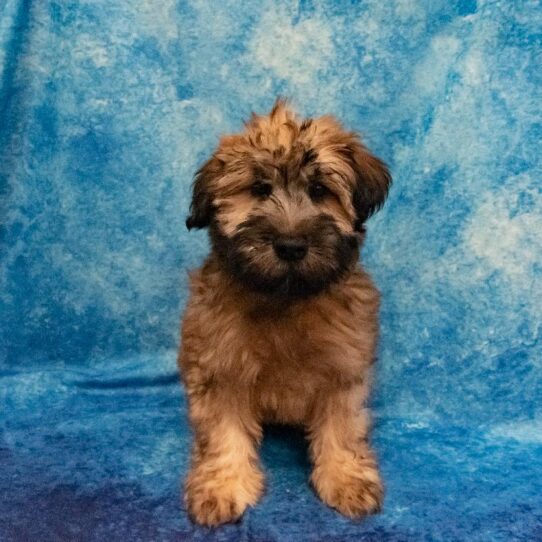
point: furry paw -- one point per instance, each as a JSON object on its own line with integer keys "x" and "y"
{"x": 353, "y": 488}
{"x": 213, "y": 499}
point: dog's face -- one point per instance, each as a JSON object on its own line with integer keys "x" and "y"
{"x": 286, "y": 201}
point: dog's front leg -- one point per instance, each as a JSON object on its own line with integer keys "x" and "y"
{"x": 345, "y": 473}
{"x": 225, "y": 477}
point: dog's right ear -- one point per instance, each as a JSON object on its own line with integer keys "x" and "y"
{"x": 201, "y": 208}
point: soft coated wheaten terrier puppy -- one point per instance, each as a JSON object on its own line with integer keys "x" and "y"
{"x": 282, "y": 320}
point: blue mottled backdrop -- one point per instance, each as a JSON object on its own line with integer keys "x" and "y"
{"x": 107, "y": 108}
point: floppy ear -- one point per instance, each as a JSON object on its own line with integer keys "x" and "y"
{"x": 373, "y": 181}
{"x": 201, "y": 208}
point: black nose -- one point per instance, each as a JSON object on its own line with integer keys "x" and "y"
{"x": 290, "y": 249}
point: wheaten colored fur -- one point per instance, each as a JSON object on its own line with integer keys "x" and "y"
{"x": 251, "y": 357}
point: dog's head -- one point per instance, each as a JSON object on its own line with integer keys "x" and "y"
{"x": 286, "y": 201}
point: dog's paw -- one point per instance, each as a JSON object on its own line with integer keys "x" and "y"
{"x": 353, "y": 488}
{"x": 221, "y": 498}
{"x": 212, "y": 508}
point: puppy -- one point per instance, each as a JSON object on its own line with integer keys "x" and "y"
{"x": 282, "y": 321}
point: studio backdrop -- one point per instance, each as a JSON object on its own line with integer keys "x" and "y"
{"x": 106, "y": 110}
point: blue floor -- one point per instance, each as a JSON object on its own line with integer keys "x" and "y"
{"x": 106, "y": 110}
{"x": 98, "y": 455}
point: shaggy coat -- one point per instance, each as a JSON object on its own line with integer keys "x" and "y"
{"x": 282, "y": 321}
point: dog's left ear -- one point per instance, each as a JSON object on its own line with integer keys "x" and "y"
{"x": 201, "y": 208}
{"x": 373, "y": 181}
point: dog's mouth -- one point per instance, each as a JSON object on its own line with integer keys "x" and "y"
{"x": 296, "y": 279}
{"x": 295, "y": 284}
{"x": 290, "y": 284}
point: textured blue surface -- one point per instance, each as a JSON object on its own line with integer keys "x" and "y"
{"x": 107, "y": 108}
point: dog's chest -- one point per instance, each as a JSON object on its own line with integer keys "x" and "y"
{"x": 297, "y": 357}
{"x": 290, "y": 371}
{"x": 284, "y": 356}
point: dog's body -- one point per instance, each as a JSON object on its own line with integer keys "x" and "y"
{"x": 281, "y": 324}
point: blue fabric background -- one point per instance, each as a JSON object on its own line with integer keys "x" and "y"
{"x": 107, "y": 108}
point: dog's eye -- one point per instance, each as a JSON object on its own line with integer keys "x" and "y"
{"x": 317, "y": 191}
{"x": 261, "y": 189}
